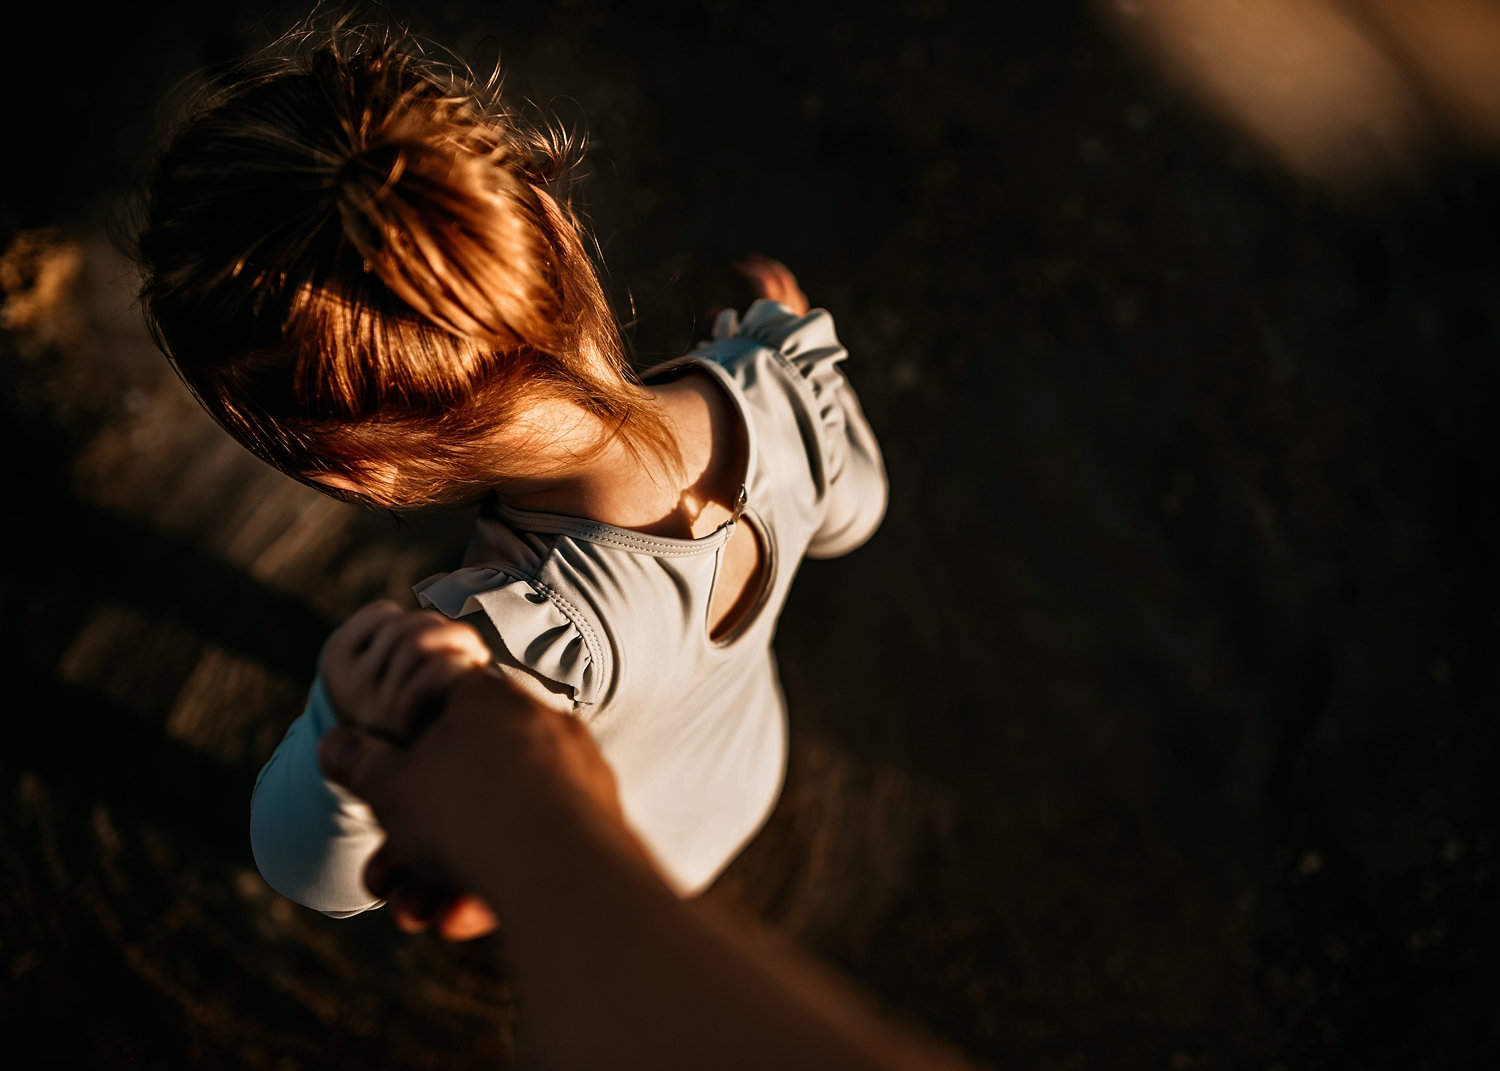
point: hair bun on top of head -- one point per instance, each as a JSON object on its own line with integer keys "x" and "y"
{"x": 347, "y": 255}
{"x": 435, "y": 193}
{"x": 448, "y": 233}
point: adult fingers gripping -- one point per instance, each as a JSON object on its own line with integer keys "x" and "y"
{"x": 416, "y": 908}
{"x": 412, "y": 907}
{"x": 383, "y": 872}
{"x": 382, "y": 774}
{"x": 418, "y": 899}
{"x": 465, "y": 917}
{"x": 367, "y": 767}
{"x": 386, "y": 878}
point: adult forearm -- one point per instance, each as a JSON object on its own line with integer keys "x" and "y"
{"x": 615, "y": 971}
{"x": 514, "y": 803}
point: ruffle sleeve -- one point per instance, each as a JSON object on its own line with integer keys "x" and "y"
{"x": 853, "y": 476}
{"x": 541, "y": 631}
{"x": 311, "y": 838}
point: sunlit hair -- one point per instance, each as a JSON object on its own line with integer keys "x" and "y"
{"x": 348, "y": 256}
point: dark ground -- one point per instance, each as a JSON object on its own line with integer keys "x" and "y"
{"x": 1157, "y": 727}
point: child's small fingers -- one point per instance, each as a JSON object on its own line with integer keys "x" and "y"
{"x": 468, "y": 642}
{"x": 426, "y": 635}
{"x": 435, "y": 633}
{"x": 423, "y": 666}
{"x": 353, "y": 636}
{"x": 376, "y": 652}
{"x": 389, "y": 635}
{"x": 421, "y": 698}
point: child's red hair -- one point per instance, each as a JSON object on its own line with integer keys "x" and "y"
{"x": 349, "y": 258}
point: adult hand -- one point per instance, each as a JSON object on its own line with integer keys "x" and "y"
{"x": 387, "y": 670}
{"x": 486, "y": 781}
{"x": 501, "y": 795}
{"x": 772, "y": 279}
{"x": 417, "y": 905}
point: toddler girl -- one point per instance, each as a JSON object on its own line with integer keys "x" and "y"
{"x": 353, "y": 255}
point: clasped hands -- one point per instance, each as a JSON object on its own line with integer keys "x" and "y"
{"x": 458, "y": 766}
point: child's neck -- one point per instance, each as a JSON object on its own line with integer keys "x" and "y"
{"x": 614, "y": 487}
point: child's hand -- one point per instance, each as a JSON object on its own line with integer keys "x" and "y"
{"x": 387, "y": 670}
{"x": 772, "y": 279}
{"x": 478, "y": 800}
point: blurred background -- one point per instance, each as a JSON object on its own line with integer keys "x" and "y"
{"x": 1155, "y": 729}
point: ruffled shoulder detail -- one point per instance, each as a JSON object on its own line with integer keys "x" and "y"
{"x": 847, "y": 468}
{"x": 540, "y": 628}
{"x": 773, "y": 324}
{"x": 811, "y": 346}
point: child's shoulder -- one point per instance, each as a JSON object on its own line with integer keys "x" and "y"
{"x": 771, "y": 342}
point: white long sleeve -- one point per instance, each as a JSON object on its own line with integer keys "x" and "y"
{"x": 311, "y": 838}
